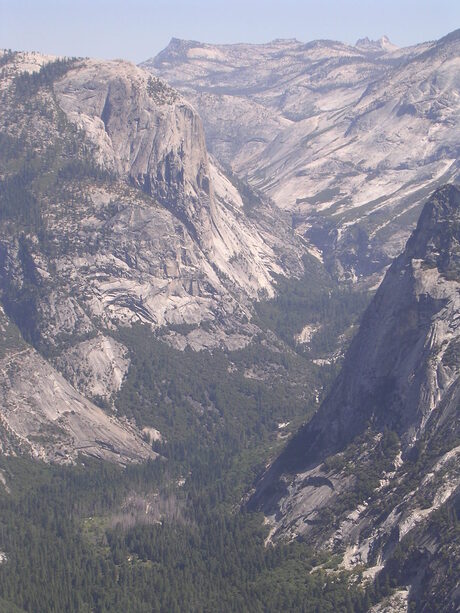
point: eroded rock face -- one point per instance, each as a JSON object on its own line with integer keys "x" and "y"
{"x": 96, "y": 366}
{"x": 128, "y": 221}
{"x": 144, "y": 131}
{"x": 382, "y": 452}
{"x": 44, "y": 416}
{"x": 398, "y": 369}
{"x": 348, "y": 139}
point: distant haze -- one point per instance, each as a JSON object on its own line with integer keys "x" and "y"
{"x": 138, "y": 29}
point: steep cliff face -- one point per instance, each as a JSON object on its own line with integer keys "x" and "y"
{"x": 143, "y": 131}
{"x": 348, "y": 139}
{"x": 112, "y": 214}
{"x": 381, "y": 454}
{"x": 398, "y": 368}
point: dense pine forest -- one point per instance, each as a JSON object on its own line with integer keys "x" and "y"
{"x": 70, "y": 548}
{"x": 170, "y": 535}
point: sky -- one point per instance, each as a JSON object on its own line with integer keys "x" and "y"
{"x": 139, "y": 29}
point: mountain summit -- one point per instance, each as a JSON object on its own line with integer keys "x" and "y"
{"x": 382, "y": 44}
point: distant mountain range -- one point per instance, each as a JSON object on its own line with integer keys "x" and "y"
{"x": 348, "y": 140}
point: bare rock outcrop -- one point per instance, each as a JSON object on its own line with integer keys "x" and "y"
{"x": 44, "y": 416}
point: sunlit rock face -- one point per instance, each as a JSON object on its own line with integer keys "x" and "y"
{"x": 348, "y": 139}
{"x": 127, "y": 221}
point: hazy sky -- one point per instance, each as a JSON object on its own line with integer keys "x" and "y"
{"x": 138, "y": 29}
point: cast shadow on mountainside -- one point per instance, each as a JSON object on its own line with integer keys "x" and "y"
{"x": 380, "y": 456}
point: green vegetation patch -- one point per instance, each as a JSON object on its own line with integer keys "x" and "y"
{"x": 63, "y": 556}
{"x": 314, "y": 299}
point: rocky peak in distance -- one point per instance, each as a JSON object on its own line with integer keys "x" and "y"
{"x": 382, "y": 44}
{"x": 349, "y": 140}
